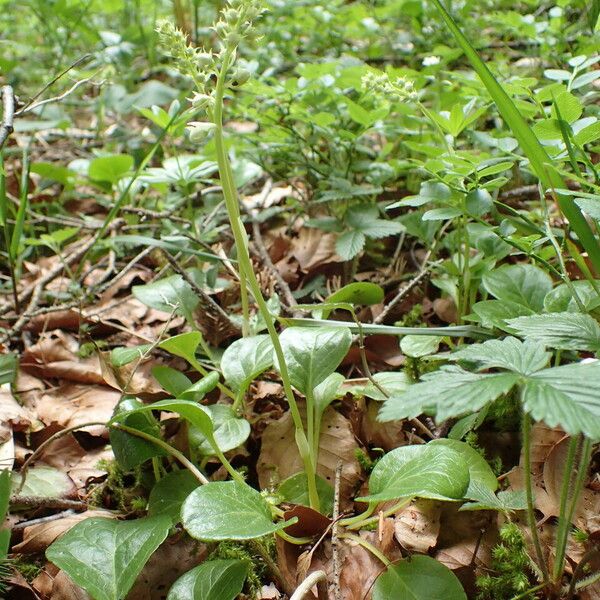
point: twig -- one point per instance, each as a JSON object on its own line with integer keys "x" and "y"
{"x": 305, "y": 587}
{"x": 46, "y": 443}
{"x": 40, "y": 520}
{"x": 44, "y": 502}
{"x": 33, "y": 105}
{"x": 80, "y": 60}
{"x": 205, "y": 299}
{"x": 8, "y": 114}
{"x": 404, "y": 290}
{"x": 337, "y": 567}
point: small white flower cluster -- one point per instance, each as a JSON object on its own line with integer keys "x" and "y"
{"x": 397, "y": 89}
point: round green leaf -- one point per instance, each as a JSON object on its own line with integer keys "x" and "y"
{"x": 246, "y": 359}
{"x": 110, "y": 168}
{"x": 427, "y": 471}
{"x": 312, "y": 355}
{"x": 227, "y": 510}
{"x": 212, "y": 580}
{"x": 170, "y": 492}
{"x": 480, "y": 472}
{"x": 230, "y": 431}
{"x": 105, "y": 556}
{"x": 418, "y": 578}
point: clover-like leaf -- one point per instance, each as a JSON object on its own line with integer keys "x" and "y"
{"x": 564, "y": 330}
{"x": 566, "y": 397}
{"x": 509, "y": 353}
{"x": 447, "y": 393}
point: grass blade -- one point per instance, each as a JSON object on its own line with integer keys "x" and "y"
{"x": 534, "y": 151}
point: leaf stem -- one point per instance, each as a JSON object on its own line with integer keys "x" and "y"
{"x": 529, "y": 494}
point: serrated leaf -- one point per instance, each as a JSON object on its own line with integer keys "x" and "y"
{"x": 245, "y": 359}
{"x": 434, "y": 472}
{"x": 510, "y": 354}
{"x": 349, "y": 244}
{"x": 418, "y": 346}
{"x": 561, "y": 299}
{"x": 105, "y": 556}
{"x": 418, "y": 578}
{"x": 494, "y": 313}
{"x": 485, "y": 499}
{"x": 566, "y": 397}
{"x": 312, "y": 355}
{"x": 522, "y": 284}
{"x": 227, "y": 510}
{"x": 212, "y": 580}
{"x": 394, "y": 383}
{"x": 565, "y": 331}
{"x": 447, "y": 393}
{"x": 590, "y": 207}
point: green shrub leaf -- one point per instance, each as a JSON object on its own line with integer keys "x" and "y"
{"x": 245, "y": 359}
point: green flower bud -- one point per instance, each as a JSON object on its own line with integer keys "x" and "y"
{"x": 199, "y": 130}
{"x": 230, "y": 15}
{"x": 239, "y": 77}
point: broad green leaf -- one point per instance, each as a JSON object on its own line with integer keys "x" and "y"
{"x": 245, "y": 359}
{"x": 105, "y": 556}
{"x": 199, "y": 416}
{"x": 203, "y": 386}
{"x": 8, "y": 367}
{"x": 418, "y": 578}
{"x": 565, "y": 331}
{"x": 589, "y": 206}
{"x": 129, "y": 450}
{"x": 418, "y": 346}
{"x": 493, "y": 313}
{"x": 393, "y": 382}
{"x": 227, "y": 510}
{"x": 212, "y": 580}
{"x": 42, "y": 482}
{"x": 171, "y": 294}
{"x": 294, "y": 489}
{"x": 566, "y": 397}
{"x": 447, "y": 393}
{"x": 534, "y": 151}
{"x": 171, "y": 380}
{"x": 434, "y": 472}
{"x": 485, "y": 499}
{"x": 522, "y": 284}
{"x": 312, "y": 355}
{"x": 359, "y": 292}
{"x": 183, "y": 345}
{"x": 110, "y": 168}
{"x": 510, "y": 354}
{"x": 168, "y": 495}
{"x": 119, "y": 357}
{"x": 230, "y": 431}
{"x": 480, "y": 472}
{"x": 326, "y": 392}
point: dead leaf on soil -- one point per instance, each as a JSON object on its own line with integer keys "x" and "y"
{"x": 65, "y": 589}
{"x": 417, "y": 526}
{"x": 55, "y": 356}
{"x": 279, "y": 458}
{"x": 37, "y": 538}
{"x": 73, "y": 405}
{"x": 313, "y": 248}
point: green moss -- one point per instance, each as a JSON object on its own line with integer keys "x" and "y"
{"x": 122, "y": 489}
{"x": 28, "y": 567}
{"x": 250, "y": 554}
{"x": 511, "y": 566}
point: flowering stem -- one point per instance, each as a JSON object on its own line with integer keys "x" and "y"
{"x": 247, "y": 276}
